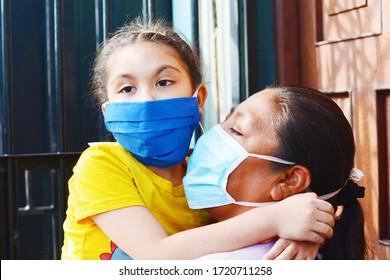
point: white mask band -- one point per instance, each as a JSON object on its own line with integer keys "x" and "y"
{"x": 271, "y": 158}
{"x": 196, "y": 92}
{"x": 260, "y": 204}
{"x": 253, "y": 204}
{"x": 201, "y": 127}
{"x": 355, "y": 175}
{"x": 329, "y": 195}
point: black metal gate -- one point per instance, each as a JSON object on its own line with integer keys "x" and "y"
{"x": 46, "y": 113}
{"x": 47, "y": 116}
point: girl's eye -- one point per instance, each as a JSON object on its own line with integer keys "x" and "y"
{"x": 127, "y": 89}
{"x": 235, "y": 131}
{"x": 164, "y": 83}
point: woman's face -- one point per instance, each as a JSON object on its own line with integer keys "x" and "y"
{"x": 250, "y": 125}
{"x": 146, "y": 71}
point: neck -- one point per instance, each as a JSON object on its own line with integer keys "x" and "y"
{"x": 174, "y": 174}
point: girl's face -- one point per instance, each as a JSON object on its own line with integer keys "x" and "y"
{"x": 146, "y": 71}
{"x": 253, "y": 179}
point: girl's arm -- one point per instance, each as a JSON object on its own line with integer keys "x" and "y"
{"x": 285, "y": 249}
{"x": 140, "y": 235}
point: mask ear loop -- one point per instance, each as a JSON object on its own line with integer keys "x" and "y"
{"x": 201, "y": 127}
{"x": 196, "y": 91}
{"x": 196, "y": 96}
{"x": 355, "y": 175}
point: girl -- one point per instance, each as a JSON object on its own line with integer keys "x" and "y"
{"x": 130, "y": 193}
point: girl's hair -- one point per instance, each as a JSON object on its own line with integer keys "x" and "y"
{"x": 159, "y": 32}
{"x": 313, "y": 131}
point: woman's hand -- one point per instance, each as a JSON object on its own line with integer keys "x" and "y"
{"x": 304, "y": 217}
{"x": 285, "y": 249}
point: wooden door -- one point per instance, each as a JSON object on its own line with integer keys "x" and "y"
{"x": 343, "y": 48}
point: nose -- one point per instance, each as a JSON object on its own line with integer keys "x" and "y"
{"x": 144, "y": 94}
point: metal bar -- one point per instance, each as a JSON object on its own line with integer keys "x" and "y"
{"x": 56, "y": 222}
{"x": 195, "y": 42}
{"x": 59, "y": 80}
{"x": 243, "y": 49}
{"x": 101, "y": 21}
{"x": 6, "y": 144}
{"x": 56, "y": 243}
{"x": 43, "y": 161}
{"x": 50, "y": 77}
{"x": 30, "y": 211}
{"x": 10, "y": 165}
{"x": 98, "y": 36}
{"x": 103, "y": 25}
{"x": 62, "y": 196}
{"x": 27, "y": 190}
{"x": 37, "y": 155}
{"x": 149, "y": 10}
{"x": 195, "y": 24}
{"x": 107, "y": 17}
{"x": 13, "y": 211}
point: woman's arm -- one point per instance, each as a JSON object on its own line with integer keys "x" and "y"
{"x": 140, "y": 235}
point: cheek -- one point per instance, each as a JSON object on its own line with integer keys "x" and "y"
{"x": 250, "y": 182}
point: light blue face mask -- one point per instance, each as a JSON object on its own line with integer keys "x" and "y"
{"x": 157, "y": 133}
{"x": 215, "y": 156}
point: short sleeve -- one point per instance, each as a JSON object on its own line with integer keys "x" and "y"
{"x": 102, "y": 182}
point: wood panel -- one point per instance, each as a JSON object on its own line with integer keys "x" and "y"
{"x": 340, "y": 6}
{"x": 343, "y": 51}
{"x": 383, "y": 121}
{"x": 343, "y": 99}
{"x": 345, "y": 20}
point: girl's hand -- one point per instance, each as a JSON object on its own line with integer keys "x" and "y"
{"x": 304, "y": 217}
{"x": 285, "y": 249}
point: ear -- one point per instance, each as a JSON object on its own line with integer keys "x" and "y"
{"x": 104, "y": 107}
{"x": 293, "y": 181}
{"x": 201, "y": 96}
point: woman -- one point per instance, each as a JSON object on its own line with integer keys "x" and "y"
{"x": 282, "y": 141}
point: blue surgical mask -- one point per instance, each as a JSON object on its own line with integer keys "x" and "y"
{"x": 157, "y": 133}
{"x": 215, "y": 156}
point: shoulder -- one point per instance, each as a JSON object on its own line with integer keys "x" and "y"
{"x": 103, "y": 155}
{"x": 105, "y": 149}
{"x": 105, "y": 146}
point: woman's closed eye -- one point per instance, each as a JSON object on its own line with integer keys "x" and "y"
{"x": 235, "y": 131}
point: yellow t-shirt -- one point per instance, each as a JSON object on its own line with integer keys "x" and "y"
{"x": 108, "y": 177}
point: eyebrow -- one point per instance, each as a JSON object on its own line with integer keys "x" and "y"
{"x": 156, "y": 72}
{"x": 165, "y": 67}
{"x": 239, "y": 113}
{"x": 124, "y": 75}
{"x": 259, "y": 123}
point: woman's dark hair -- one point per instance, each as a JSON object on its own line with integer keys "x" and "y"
{"x": 313, "y": 131}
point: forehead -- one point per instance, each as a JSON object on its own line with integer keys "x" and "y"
{"x": 254, "y": 119}
{"x": 145, "y": 53}
{"x": 256, "y": 110}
